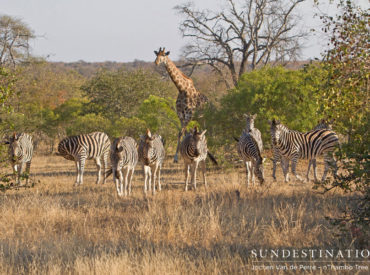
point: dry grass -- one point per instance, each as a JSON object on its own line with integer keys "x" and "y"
{"x": 56, "y": 228}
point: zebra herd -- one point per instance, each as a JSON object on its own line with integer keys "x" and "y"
{"x": 288, "y": 146}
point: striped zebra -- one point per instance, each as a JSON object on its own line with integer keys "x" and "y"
{"x": 249, "y": 152}
{"x": 294, "y": 145}
{"x": 249, "y": 128}
{"x": 123, "y": 157}
{"x": 151, "y": 155}
{"x": 193, "y": 149}
{"x": 95, "y": 146}
{"x": 20, "y": 152}
{"x": 321, "y": 124}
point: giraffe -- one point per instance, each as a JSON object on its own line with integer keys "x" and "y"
{"x": 188, "y": 99}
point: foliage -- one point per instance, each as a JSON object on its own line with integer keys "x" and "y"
{"x": 87, "y": 124}
{"x": 270, "y": 93}
{"x": 132, "y": 127}
{"x": 119, "y": 93}
{"x": 14, "y": 40}
{"x": 345, "y": 96}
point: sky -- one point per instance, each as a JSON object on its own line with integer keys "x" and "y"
{"x": 119, "y": 30}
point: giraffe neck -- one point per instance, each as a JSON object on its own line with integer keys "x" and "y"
{"x": 175, "y": 74}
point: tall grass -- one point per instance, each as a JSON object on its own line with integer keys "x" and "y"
{"x": 56, "y": 228}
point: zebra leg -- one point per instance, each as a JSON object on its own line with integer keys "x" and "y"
{"x": 294, "y": 166}
{"x": 98, "y": 165}
{"x": 285, "y": 167}
{"x": 115, "y": 180}
{"x": 274, "y": 163}
{"x": 247, "y": 164}
{"x": 78, "y": 173}
{"x": 20, "y": 171}
{"x": 132, "y": 170}
{"x": 28, "y": 168}
{"x": 314, "y": 169}
{"x": 252, "y": 172}
{"x": 105, "y": 165}
{"x": 194, "y": 168}
{"x": 120, "y": 180}
{"x": 82, "y": 167}
{"x": 154, "y": 175}
{"x": 147, "y": 179}
{"x": 126, "y": 176}
{"x": 159, "y": 178}
{"x": 204, "y": 173}
{"x": 308, "y": 169}
{"x": 329, "y": 161}
{"x": 187, "y": 172}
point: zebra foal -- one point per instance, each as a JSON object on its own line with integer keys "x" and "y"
{"x": 249, "y": 152}
{"x": 95, "y": 146}
{"x": 193, "y": 149}
{"x": 294, "y": 145}
{"x": 20, "y": 153}
{"x": 123, "y": 157}
{"x": 151, "y": 155}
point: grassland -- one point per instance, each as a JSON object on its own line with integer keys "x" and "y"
{"x": 56, "y": 228}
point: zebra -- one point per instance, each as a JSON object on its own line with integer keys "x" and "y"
{"x": 95, "y": 145}
{"x": 294, "y": 145}
{"x": 123, "y": 156}
{"x": 20, "y": 152}
{"x": 193, "y": 149}
{"x": 249, "y": 152}
{"x": 321, "y": 124}
{"x": 249, "y": 128}
{"x": 151, "y": 155}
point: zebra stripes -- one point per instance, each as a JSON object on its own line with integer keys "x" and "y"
{"x": 124, "y": 157}
{"x": 294, "y": 145}
{"x": 249, "y": 128}
{"x": 95, "y": 145}
{"x": 20, "y": 152}
{"x": 193, "y": 149}
{"x": 151, "y": 155}
{"x": 249, "y": 152}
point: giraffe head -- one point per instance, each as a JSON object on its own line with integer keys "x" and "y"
{"x": 162, "y": 56}
{"x": 249, "y": 119}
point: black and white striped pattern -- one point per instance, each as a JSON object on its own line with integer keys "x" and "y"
{"x": 193, "y": 149}
{"x": 249, "y": 152}
{"x": 294, "y": 145}
{"x": 123, "y": 157}
{"x": 321, "y": 124}
{"x": 20, "y": 153}
{"x": 151, "y": 155}
{"x": 95, "y": 146}
{"x": 249, "y": 128}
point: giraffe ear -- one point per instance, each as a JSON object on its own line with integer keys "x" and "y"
{"x": 156, "y": 53}
{"x": 167, "y": 53}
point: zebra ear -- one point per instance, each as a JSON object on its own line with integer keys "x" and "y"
{"x": 15, "y": 136}
{"x": 254, "y": 116}
{"x": 263, "y": 160}
{"x": 195, "y": 131}
{"x": 203, "y": 133}
{"x": 148, "y": 133}
{"x": 119, "y": 149}
{"x": 246, "y": 115}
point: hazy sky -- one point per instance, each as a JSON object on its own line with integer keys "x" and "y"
{"x": 116, "y": 30}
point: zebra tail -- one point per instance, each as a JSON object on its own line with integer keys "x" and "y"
{"x": 237, "y": 140}
{"x": 212, "y": 158}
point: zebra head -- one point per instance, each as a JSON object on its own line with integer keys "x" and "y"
{"x": 15, "y": 150}
{"x": 258, "y": 172}
{"x": 249, "y": 119}
{"x": 148, "y": 147}
{"x": 161, "y": 56}
{"x": 196, "y": 141}
{"x": 275, "y": 130}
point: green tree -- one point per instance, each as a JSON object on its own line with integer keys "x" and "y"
{"x": 345, "y": 96}
{"x": 119, "y": 93}
{"x": 270, "y": 93}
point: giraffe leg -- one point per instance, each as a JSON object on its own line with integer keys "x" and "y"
{"x": 181, "y": 133}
